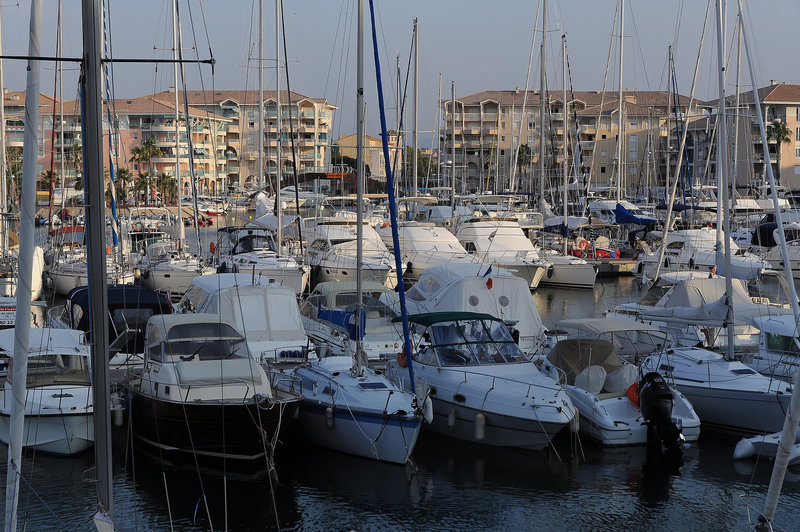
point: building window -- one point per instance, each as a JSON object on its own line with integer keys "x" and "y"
{"x": 797, "y": 153}
{"x": 502, "y": 152}
{"x": 602, "y": 169}
{"x": 797, "y": 114}
{"x": 797, "y": 134}
{"x": 603, "y": 153}
{"x": 796, "y": 170}
{"x": 502, "y": 138}
{"x": 603, "y": 137}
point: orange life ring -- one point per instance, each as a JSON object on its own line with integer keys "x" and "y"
{"x": 108, "y": 249}
{"x": 138, "y": 226}
{"x": 401, "y": 360}
{"x": 633, "y": 394}
{"x": 384, "y": 225}
{"x": 583, "y": 244}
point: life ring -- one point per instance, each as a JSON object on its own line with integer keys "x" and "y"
{"x": 108, "y": 249}
{"x": 138, "y": 226}
{"x": 583, "y": 244}
{"x": 384, "y": 225}
{"x": 633, "y": 394}
{"x": 401, "y": 360}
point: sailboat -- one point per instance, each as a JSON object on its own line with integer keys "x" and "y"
{"x": 169, "y": 266}
{"x": 347, "y": 406}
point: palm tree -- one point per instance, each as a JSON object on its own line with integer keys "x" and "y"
{"x": 167, "y": 185}
{"x": 779, "y": 133}
{"x": 123, "y": 180}
{"x": 76, "y": 158}
{"x": 52, "y": 178}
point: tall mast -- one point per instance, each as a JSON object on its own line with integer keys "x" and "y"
{"x": 3, "y": 189}
{"x": 564, "y": 126}
{"x": 722, "y": 171}
{"x": 397, "y": 131}
{"x": 620, "y": 122}
{"x": 439, "y": 134}
{"x": 279, "y": 175}
{"x": 414, "y": 169}
{"x": 175, "y": 45}
{"x": 453, "y": 154}
{"x": 260, "y": 141}
{"x": 542, "y": 99}
{"x": 62, "y": 164}
{"x": 95, "y": 224}
{"x": 25, "y": 271}
{"x": 359, "y": 178}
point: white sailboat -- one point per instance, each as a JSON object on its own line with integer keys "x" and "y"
{"x": 347, "y": 406}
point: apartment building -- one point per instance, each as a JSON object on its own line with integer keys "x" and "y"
{"x": 490, "y": 125}
{"x": 373, "y": 153}
{"x": 307, "y": 120}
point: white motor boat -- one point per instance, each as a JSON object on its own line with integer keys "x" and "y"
{"x": 253, "y": 250}
{"x": 727, "y": 395}
{"x": 695, "y": 249}
{"x": 58, "y": 404}
{"x": 766, "y": 446}
{"x": 483, "y": 387}
{"x": 201, "y": 393}
{"x": 354, "y": 409}
{"x": 480, "y": 288}
{"x": 332, "y": 250}
{"x": 604, "y": 387}
{"x": 266, "y": 312}
{"x": 501, "y": 241}
{"x": 166, "y": 268}
{"x": 329, "y": 319}
{"x": 425, "y": 245}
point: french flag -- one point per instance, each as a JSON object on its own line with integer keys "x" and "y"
{"x": 489, "y": 280}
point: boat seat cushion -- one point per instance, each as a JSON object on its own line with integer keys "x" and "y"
{"x": 620, "y": 380}
{"x": 591, "y": 379}
{"x": 232, "y": 371}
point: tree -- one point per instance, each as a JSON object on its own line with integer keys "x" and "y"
{"x": 123, "y": 180}
{"x": 76, "y": 159}
{"x": 167, "y": 185}
{"x": 524, "y": 158}
{"x": 14, "y": 172}
{"x": 51, "y": 178}
{"x": 779, "y": 133}
{"x": 143, "y": 155}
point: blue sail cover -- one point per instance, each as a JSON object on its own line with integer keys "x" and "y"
{"x": 624, "y": 216}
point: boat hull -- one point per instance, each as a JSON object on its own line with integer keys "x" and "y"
{"x": 388, "y": 438}
{"x": 61, "y": 434}
{"x": 570, "y": 276}
{"x": 198, "y": 427}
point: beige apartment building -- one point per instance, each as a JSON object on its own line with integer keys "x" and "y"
{"x": 307, "y": 120}
{"x": 490, "y": 125}
{"x": 373, "y": 153}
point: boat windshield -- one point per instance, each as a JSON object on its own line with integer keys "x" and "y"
{"x": 205, "y": 349}
{"x": 474, "y": 343}
{"x": 252, "y": 243}
{"x": 55, "y": 370}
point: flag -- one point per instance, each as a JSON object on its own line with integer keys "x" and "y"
{"x": 488, "y": 271}
{"x": 489, "y": 280}
{"x": 491, "y": 235}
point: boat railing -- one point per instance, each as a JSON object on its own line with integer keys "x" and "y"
{"x": 289, "y": 382}
{"x": 495, "y": 379}
{"x": 56, "y": 316}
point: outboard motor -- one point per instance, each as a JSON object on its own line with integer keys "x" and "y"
{"x": 655, "y": 400}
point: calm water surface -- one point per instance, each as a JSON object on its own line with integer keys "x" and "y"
{"x": 451, "y": 485}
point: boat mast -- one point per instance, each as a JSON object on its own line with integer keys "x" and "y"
{"x": 414, "y": 169}
{"x": 182, "y": 232}
{"x": 359, "y": 182}
{"x": 542, "y": 96}
{"x": 3, "y": 189}
{"x": 438, "y": 134}
{"x": 620, "y": 122}
{"x": 453, "y": 155}
{"x": 19, "y": 375}
{"x": 564, "y": 125}
{"x": 279, "y": 120}
{"x": 95, "y": 224}
{"x": 722, "y": 171}
{"x": 261, "y": 95}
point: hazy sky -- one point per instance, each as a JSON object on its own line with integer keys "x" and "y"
{"x": 481, "y": 45}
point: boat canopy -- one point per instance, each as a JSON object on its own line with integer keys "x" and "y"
{"x": 428, "y": 319}
{"x": 47, "y": 340}
{"x": 624, "y": 216}
{"x": 784, "y": 325}
{"x": 178, "y": 327}
{"x": 606, "y": 326}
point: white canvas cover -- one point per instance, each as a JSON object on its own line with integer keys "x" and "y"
{"x": 463, "y": 287}
{"x": 620, "y": 380}
{"x": 574, "y": 355}
{"x": 591, "y": 379}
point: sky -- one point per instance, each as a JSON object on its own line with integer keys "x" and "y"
{"x": 480, "y": 45}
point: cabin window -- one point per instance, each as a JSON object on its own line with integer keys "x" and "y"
{"x": 783, "y": 344}
{"x": 602, "y": 169}
{"x": 470, "y": 247}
